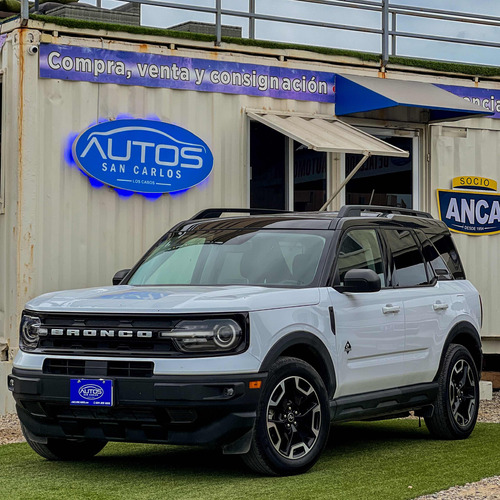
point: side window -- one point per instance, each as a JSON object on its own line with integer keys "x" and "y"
{"x": 436, "y": 266}
{"x": 360, "y": 249}
{"x": 446, "y": 248}
{"x": 407, "y": 266}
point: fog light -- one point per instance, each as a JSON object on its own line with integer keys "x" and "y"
{"x": 228, "y": 392}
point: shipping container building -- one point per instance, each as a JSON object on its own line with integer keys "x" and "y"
{"x": 284, "y": 126}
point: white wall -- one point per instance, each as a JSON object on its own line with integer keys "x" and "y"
{"x": 472, "y": 147}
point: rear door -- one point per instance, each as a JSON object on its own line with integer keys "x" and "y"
{"x": 369, "y": 326}
{"x": 426, "y": 301}
{"x": 447, "y": 300}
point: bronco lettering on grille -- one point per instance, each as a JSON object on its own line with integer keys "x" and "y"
{"x": 72, "y": 332}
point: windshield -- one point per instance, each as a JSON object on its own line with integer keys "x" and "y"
{"x": 229, "y": 257}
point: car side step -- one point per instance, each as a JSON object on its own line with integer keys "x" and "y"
{"x": 380, "y": 403}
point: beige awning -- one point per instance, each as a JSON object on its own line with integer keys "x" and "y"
{"x": 326, "y": 134}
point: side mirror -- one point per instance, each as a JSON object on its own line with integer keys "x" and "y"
{"x": 360, "y": 280}
{"x": 118, "y": 277}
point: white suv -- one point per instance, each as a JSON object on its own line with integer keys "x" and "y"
{"x": 253, "y": 333}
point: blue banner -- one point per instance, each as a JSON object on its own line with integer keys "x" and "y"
{"x": 143, "y": 156}
{"x": 88, "y": 64}
{"x": 469, "y": 213}
{"x": 487, "y": 98}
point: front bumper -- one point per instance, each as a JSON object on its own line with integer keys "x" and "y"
{"x": 195, "y": 410}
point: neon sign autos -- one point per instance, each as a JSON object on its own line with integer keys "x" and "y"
{"x": 143, "y": 156}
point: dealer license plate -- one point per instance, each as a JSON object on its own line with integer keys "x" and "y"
{"x": 91, "y": 392}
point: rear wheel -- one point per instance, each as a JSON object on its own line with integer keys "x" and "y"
{"x": 293, "y": 420}
{"x": 66, "y": 449}
{"x": 457, "y": 403}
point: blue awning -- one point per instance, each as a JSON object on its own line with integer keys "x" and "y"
{"x": 401, "y": 100}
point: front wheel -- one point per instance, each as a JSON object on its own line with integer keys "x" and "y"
{"x": 293, "y": 420}
{"x": 457, "y": 403}
{"x": 66, "y": 449}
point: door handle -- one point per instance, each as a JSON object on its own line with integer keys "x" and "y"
{"x": 438, "y": 306}
{"x": 389, "y": 308}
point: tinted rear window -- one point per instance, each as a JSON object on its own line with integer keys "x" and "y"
{"x": 408, "y": 268}
{"x": 436, "y": 265}
{"x": 446, "y": 248}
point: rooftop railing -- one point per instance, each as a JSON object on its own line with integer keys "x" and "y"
{"x": 385, "y": 27}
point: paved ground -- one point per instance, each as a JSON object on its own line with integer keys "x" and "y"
{"x": 487, "y": 489}
{"x": 10, "y": 431}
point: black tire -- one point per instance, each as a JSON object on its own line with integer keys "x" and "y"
{"x": 457, "y": 403}
{"x": 293, "y": 420}
{"x": 66, "y": 449}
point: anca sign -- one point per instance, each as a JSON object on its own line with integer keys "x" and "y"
{"x": 469, "y": 213}
{"x": 143, "y": 156}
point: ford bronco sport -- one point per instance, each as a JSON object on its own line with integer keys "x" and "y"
{"x": 252, "y": 333}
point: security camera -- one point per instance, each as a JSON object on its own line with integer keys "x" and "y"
{"x": 33, "y": 50}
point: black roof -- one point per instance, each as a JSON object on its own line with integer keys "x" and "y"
{"x": 276, "y": 219}
{"x": 345, "y": 211}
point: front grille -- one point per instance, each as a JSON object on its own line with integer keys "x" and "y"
{"x": 142, "y": 335}
{"x": 64, "y": 367}
{"x": 65, "y": 412}
{"x": 119, "y": 345}
{"x": 143, "y": 424}
{"x": 130, "y": 369}
{"x": 175, "y": 415}
{"x": 81, "y": 368}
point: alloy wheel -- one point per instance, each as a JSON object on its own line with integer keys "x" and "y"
{"x": 462, "y": 393}
{"x": 293, "y": 417}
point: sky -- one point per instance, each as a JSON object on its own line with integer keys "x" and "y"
{"x": 327, "y": 37}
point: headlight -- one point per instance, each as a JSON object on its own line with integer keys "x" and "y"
{"x": 30, "y": 332}
{"x": 211, "y": 335}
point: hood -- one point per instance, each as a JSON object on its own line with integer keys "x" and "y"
{"x": 173, "y": 299}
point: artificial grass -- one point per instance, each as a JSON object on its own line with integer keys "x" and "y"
{"x": 439, "y": 66}
{"x": 451, "y": 67}
{"x": 376, "y": 460}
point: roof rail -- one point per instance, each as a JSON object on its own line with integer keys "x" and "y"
{"x": 212, "y": 213}
{"x": 356, "y": 210}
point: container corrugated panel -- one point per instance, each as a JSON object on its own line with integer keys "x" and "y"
{"x": 9, "y": 234}
{"x": 66, "y": 234}
{"x": 471, "y": 147}
{"x": 80, "y": 235}
{"x": 83, "y": 235}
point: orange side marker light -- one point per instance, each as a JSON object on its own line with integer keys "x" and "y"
{"x": 255, "y": 384}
